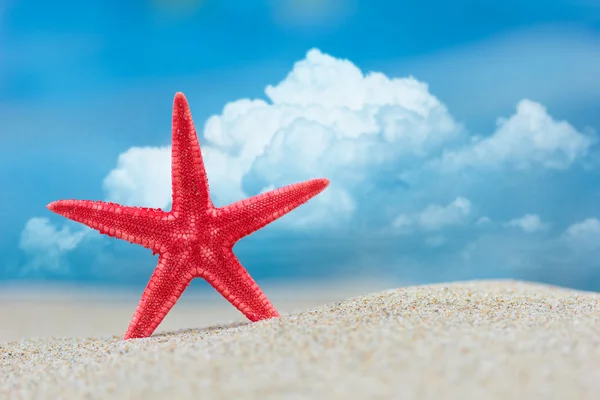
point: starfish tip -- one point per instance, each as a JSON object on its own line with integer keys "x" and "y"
{"x": 322, "y": 183}
{"x": 180, "y": 99}
{"x": 52, "y": 206}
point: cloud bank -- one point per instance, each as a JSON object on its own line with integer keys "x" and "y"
{"x": 46, "y": 243}
{"x": 402, "y": 170}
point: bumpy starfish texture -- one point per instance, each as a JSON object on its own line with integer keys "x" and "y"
{"x": 194, "y": 239}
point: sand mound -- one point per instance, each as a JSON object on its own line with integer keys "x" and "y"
{"x": 473, "y": 340}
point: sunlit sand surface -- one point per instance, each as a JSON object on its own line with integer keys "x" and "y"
{"x": 471, "y": 340}
{"x": 78, "y": 311}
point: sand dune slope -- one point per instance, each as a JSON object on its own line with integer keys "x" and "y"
{"x": 471, "y": 340}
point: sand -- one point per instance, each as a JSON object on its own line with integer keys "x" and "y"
{"x": 469, "y": 340}
{"x": 31, "y": 311}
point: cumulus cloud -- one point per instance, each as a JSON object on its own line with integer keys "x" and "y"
{"x": 326, "y": 118}
{"x": 435, "y": 217}
{"x": 530, "y": 223}
{"x": 46, "y": 243}
{"x": 365, "y": 132}
{"x": 584, "y": 235}
{"x": 142, "y": 178}
{"x": 483, "y": 221}
{"x": 527, "y": 139}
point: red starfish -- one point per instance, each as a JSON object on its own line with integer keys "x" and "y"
{"x": 194, "y": 239}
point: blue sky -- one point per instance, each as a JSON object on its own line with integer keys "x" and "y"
{"x": 460, "y": 137}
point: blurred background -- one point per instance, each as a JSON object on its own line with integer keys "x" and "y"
{"x": 460, "y": 139}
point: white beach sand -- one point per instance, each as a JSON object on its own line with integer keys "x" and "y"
{"x": 471, "y": 340}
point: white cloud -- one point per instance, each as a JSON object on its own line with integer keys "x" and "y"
{"x": 363, "y": 132}
{"x": 530, "y": 223}
{"x": 528, "y": 138}
{"x": 435, "y": 217}
{"x": 583, "y": 235}
{"x": 142, "y": 178}
{"x": 483, "y": 221}
{"x": 326, "y": 118}
{"x": 46, "y": 243}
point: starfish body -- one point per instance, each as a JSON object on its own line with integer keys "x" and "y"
{"x": 194, "y": 239}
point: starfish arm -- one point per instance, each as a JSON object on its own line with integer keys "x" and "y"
{"x": 189, "y": 181}
{"x": 249, "y": 215}
{"x": 238, "y": 287}
{"x": 170, "y": 278}
{"x": 137, "y": 225}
